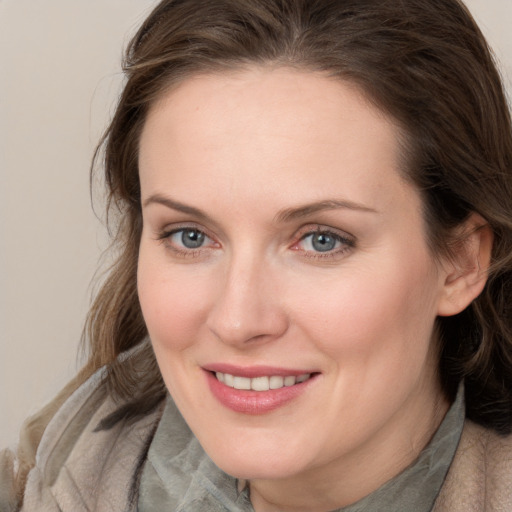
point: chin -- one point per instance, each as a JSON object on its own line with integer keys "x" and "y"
{"x": 257, "y": 465}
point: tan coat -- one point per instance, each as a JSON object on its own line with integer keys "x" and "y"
{"x": 480, "y": 477}
{"x": 79, "y": 469}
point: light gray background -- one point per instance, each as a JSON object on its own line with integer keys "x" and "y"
{"x": 59, "y": 79}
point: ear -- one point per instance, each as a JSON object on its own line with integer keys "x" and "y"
{"x": 465, "y": 272}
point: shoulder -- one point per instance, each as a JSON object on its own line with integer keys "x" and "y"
{"x": 480, "y": 477}
{"x": 15, "y": 465}
{"x": 76, "y": 460}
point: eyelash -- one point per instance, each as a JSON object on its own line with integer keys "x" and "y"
{"x": 165, "y": 238}
{"x": 347, "y": 242}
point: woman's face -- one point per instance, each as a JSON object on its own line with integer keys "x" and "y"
{"x": 283, "y": 254}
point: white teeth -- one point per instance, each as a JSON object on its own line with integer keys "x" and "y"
{"x": 261, "y": 383}
{"x": 289, "y": 381}
{"x": 229, "y": 380}
{"x": 276, "y": 382}
{"x": 242, "y": 383}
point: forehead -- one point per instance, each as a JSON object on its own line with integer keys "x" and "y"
{"x": 301, "y": 131}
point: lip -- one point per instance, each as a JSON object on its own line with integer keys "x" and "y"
{"x": 255, "y": 402}
{"x": 255, "y": 371}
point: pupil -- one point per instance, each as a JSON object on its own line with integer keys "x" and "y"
{"x": 323, "y": 242}
{"x": 192, "y": 239}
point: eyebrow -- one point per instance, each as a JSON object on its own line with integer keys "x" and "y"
{"x": 331, "y": 204}
{"x": 175, "y": 205}
{"x": 287, "y": 215}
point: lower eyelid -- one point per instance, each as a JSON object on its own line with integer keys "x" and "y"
{"x": 339, "y": 252}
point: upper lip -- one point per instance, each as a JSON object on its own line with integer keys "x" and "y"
{"x": 255, "y": 371}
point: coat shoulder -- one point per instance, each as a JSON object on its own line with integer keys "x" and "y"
{"x": 86, "y": 463}
{"x": 480, "y": 477}
{"x": 16, "y": 464}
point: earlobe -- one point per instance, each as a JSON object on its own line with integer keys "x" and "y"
{"x": 465, "y": 273}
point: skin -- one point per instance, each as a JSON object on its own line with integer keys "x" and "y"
{"x": 245, "y": 148}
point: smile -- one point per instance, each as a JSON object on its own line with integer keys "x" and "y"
{"x": 263, "y": 383}
{"x": 257, "y": 390}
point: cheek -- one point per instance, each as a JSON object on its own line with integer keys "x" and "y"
{"x": 174, "y": 304}
{"x": 386, "y": 311}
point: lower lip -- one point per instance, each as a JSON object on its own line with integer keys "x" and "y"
{"x": 255, "y": 402}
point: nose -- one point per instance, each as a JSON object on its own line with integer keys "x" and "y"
{"x": 247, "y": 309}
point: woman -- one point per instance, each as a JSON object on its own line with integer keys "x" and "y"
{"x": 310, "y": 308}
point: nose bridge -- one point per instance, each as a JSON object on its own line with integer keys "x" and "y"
{"x": 247, "y": 306}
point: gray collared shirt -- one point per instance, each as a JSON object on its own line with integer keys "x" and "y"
{"x": 179, "y": 476}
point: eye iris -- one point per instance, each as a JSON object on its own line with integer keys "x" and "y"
{"x": 192, "y": 239}
{"x": 323, "y": 242}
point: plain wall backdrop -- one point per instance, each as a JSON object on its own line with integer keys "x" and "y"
{"x": 59, "y": 79}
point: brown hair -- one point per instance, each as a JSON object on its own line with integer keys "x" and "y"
{"x": 425, "y": 63}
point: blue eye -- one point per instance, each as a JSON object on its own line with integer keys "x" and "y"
{"x": 186, "y": 239}
{"x": 189, "y": 238}
{"x": 324, "y": 242}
